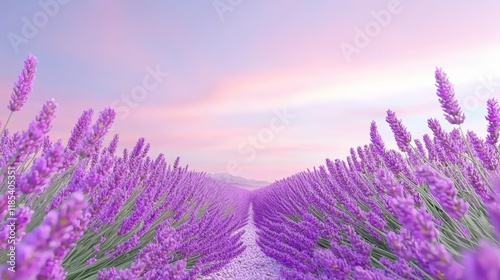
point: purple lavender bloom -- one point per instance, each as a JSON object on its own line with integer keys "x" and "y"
{"x": 39, "y": 246}
{"x": 176, "y": 163}
{"x": 401, "y": 267}
{"x": 452, "y": 111}
{"x": 402, "y": 136}
{"x": 46, "y": 116}
{"x": 62, "y": 195}
{"x": 23, "y": 217}
{"x": 484, "y": 263}
{"x": 332, "y": 265}
{"x": 123, "y": 274}
{"x": 420, "y": 147}
{"x": 158, "y": 253}
{"x": 431, "y": 148}
{"x": 393, "y": 189}
{"x": 32, "y": 139}
{"x": 494, "y": 213}
{"x": 91, "y": 260}
{"x": 368, "y": 273}
{"x": 376, "y": 139}
{"x": 42, "y": 169}
{"x": 394, "y": 161}
{"x": 436, "y": 260}
{"x": 444, "y": 191}
{"x": 124, "y": 247}
{"x": 67, "y": 230}
{"x": 355, "y": 161}
{"x": 419, "y": 222}
{"x": 46, "y": 143}
{"x": 138, "y": 148}
{"x": 93, "y": 140}
{"x": 67, "y": 218}
{"x": 438, "y": 131}
{"x": 475, "y": 180}
{"x": 98, "y": 173}
{"x": 113, "y": 144}
{"x": 30, "y": 255}
{"x": 402, "y": 244}
{"x": 485, "y": 153}
{"x": 3, "y": 206}
{"x": 360, "y": 246}
{"x": 175, "y": 271}
{"x": 53, "y": 270}
{"x": 24, "y": 84}
{"x": 493, "y": 119}
{"x": 80, "y": 129}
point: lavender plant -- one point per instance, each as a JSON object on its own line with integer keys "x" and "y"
{"x": 84, "y": 212}
{"x": 427, "y": 212}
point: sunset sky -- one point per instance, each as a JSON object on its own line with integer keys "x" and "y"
{"x": 234, "y": 67}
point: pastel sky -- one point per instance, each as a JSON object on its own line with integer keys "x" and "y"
{"x": 232, "y": 64}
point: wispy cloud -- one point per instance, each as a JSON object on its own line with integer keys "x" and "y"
{"x": 227, "y": 76}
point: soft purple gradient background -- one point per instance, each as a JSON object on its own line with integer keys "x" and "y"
{"x": 227, "y": 76}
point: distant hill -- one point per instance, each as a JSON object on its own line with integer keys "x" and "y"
{"x": 239, "y": 181}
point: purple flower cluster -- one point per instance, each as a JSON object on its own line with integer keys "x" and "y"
{"x": 444, "y": 191}
{"x": 493, "y": 119}
{"x": 24, "y": 84}
{"x": 38, "y": 249}
{"x": 446, "y": 93}
{"x": 403, "y": 137}
{"x": 83, "y": 211}
{"x": 50, "y": 162}
{"x": 93, "y": 138}
{"x": 381, "y": 214}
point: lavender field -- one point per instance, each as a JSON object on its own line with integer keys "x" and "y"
{"x": 81, "y": 209}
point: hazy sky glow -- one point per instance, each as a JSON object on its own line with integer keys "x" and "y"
{"x": 230, "y": 70}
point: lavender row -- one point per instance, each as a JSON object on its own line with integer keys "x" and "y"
{"x": 83, "y": 211}
{"x": 428, "y": 211}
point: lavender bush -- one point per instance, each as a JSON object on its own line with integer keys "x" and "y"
{"x": 84, "y": 212}
{"x": 428, "y": 211}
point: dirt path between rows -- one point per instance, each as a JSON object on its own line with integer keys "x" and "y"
{"x": 252, "y": 264}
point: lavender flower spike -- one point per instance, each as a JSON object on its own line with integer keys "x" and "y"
{"x": 46, "y": 116}
{"x": 452, "y": 111}
{"x": 39, "y": 175}
{"x": 22, "y": 87}
{"x": 39, "y": 246}
{"x": 402, "y": 136}
{"x": 493, "y": 119}
{"x": 376, "y": 139}
{"x": 80, "y": 129}
{"x": 494, "y": 208}
{"x": 484, "y": 263}
{"x": 93, "y": 140}
{"x": 32, "y": 139}
{"x": 444, "y": 191}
